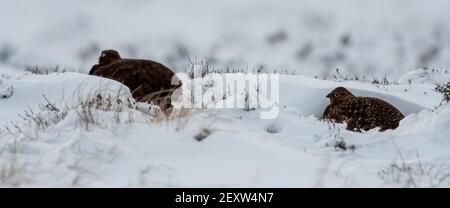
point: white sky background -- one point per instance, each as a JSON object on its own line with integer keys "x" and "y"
{"x": 385, "y": 36}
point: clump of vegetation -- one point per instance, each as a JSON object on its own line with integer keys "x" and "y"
{"x": 444, "y": 89}
{"x": 12, "y": 170}
{"x": 200, "y": 69}
{"x": 103, "y": 109}
{"x": 272, "y": 129}
{"x": 97, "y": 109}
{"x": 48, "y": 115}
{"x": 374, "y": 80}
{"x": 338, "y": 142}
{"x": 341, "y": 145}
{"x": 7, "y": 93}
{"x": 205, "y": 133}
{"x": 46, "y": 71}
{"x": 415, "y": 173}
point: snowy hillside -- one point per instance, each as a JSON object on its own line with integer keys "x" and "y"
{"x": 77, "y": 138}
{"x": 310, "y": 37}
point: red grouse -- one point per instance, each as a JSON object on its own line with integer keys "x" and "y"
{"x": 361, "y": 113}
{"x": 148, "y": 81}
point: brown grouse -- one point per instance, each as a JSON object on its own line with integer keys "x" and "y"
{"x": 361, "y": 113}
{"x": 148, "y": 81}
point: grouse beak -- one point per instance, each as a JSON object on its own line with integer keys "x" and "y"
{"x": 329, "y": 95}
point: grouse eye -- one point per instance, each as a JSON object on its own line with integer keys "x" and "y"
{"x": 103, "y": 55}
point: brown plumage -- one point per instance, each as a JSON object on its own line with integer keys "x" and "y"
{"x": 147, "y": 80}
{"x": 361, "y": 113}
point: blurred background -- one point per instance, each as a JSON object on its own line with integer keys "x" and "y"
{"x": 308, "y": 37}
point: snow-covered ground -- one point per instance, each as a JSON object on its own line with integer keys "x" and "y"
{"x": 62, "y": 128}
{"x": 78, "y": 139}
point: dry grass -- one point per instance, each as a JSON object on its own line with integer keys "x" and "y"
{"x": 12, "y": 170}
{"x": 102, "y": 110}
{"x": 415, "y": 173}
{"x": 338, "y": 141}
{"x": 338, "y": 76}
{"x": 444, "y": 89}
{"x": 46, "y": 71}
{"x": 97, "y": 109}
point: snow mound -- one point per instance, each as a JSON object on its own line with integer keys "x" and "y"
{"x": 131, "y": 148}
{"x": 309, "y": 95}
{"x": 430, "y": 76}
{"x": 61, "y": 89}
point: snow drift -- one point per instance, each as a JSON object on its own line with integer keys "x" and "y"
{"x": 132, "y": 148}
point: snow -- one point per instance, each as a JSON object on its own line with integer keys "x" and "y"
{"x": 130, "y": 148}
{"x": 384, "y": 37}
{"x": 310, "y": 95}
{"x": 62, "y": 89}
{"x": 60, "y": 127}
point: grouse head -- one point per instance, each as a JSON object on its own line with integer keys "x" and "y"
{"x": 339, "y": 94}
{"x": 108, "y": 56}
